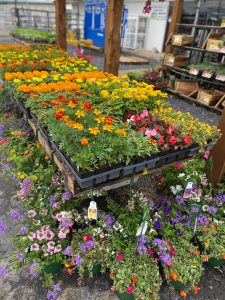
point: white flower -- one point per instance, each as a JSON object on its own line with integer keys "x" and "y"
{"x": 181, "y": 175}
{"x": 204, "y": 207}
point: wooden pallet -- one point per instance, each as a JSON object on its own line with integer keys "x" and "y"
{"x": 133, "y": 60}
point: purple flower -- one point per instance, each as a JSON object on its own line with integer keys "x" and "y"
{"x": 165, "y": 258}
{"x": 23, "y": 230}
{"x": 67, "y": 251}
{"x": 219, "y": 199}
{"x": 87, "y": 246}
{"x": 2, "y": 227}
{"x": 212, "y": 210}
{"x": 108, "y": 220}
{"x": 15, "y": 214}
{"x": 203, "y": 220}
{"x": 26, "y": 188}
{"x": 67, "y": 196}
{"x": 53, "y": 294}
{"x": 166, "y": 209}
{"x": 52, "y": 200}
{"x": 33, "y": 270}
{"x": 195, "y": 209}
{"x": 2, "y": 272}
{"x": 7, "y": 167}
{"x": 65, "y": 223}
{"x": 20, "y": 257}
{"x": 157, "y": 225}
{"x": 141, "y": 248}
{"x": 77, "y": 259}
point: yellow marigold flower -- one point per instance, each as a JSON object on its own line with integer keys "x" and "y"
{"x": 105, "y": 94}
{"x": 100, "y": 120}
{"x": 107, "y": 127}
{"x": 94, "y": 130}
{"x": 80, "y": 113}
{"x": 71, "y": 104}
{"x": 121, "y": 132}
{"x": 97, "y": 112}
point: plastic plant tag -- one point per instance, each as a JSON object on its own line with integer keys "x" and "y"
{"x": 220, "y": 77}
{"x": 92, "y": 210}
{"x": 193, "y": 71}
{"x": 142, "y": 229}
{"x": 206, "y": 74}
{"x": 188, "y": 190}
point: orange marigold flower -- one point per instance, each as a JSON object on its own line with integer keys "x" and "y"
{"x": 205, "y": 258}
{"x": 107, "y": 127}
{"x": 174, "y": 276}
{"x": 196, "y": 290}
{"x": 84, "y": 141}
{"x": 59, "y": 113}
{"x": 111, "y": 275}
{"x": 121, "y": 132}
{"x": 134, "y": 280}
{"x": 94, "y": 130}
{"x": 214, "y": 227}
{"x": 69, "y": 272}
{"x": 197, "y": 251}
{"x": 44, "y": 103}
{"x": 183, "y": 294}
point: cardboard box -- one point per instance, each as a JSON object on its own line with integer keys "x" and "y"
{"x": 185, "y": 86}
{"x": 209, "y": 97}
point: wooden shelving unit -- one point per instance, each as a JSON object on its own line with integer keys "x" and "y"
{"x": 197, "y": 53}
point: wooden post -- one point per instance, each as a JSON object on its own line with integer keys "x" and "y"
{"x": 175, "y": 18}
{"x": 112, "y": 37}
{"x": 218, "y": 154}
{"x": 60, "y": 13}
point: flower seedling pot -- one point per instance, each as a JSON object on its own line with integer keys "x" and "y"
{"x": 215, "y": 262}
{"x": 53, "y": 268}
{"x": 125, "y": 296}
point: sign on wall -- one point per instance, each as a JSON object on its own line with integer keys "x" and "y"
{"x": 158, "y": 12}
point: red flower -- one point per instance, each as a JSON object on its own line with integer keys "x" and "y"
{"x": 179, "y": 166}
{"x": 87, "y": 238}
{"x": 150, "y": 251}
{"x": 60, "y": 96}
{"x": 109, "y": 120}
{"x": 130, "y": 289}
{"x": 120, "y": 256}
{"x": 187, "y": 139}
{"x": 88, "y": 106}
{"x": 162, "y": 140}
{"x": 173, "y": 251}
{"x": 173, "y": 140}
{"x": 196, "y": 290}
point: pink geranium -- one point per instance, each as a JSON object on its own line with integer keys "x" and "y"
{"x": 150, "y": 133}
{"x": 120, "y": 256}
{"x": 130, "y": 289}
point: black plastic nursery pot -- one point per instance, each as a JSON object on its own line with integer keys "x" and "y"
{"x": 125, "y": 296}
{"x": 215, "y": 262}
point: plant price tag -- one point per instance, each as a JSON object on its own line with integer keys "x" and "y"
{"x": 193, "y": 71}
{"x": 206, "y": 74}
{"x": 188, "y": 190}
{"x": 92, "y": 210}
{"x": 220, "y": 77}
{"x": 142, "y": 229}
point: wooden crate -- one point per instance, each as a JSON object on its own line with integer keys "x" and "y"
{"x": 214, "y": 43}
{"x": 182, "y": 39}
{"x": 185, "y": 86}
{"x": 175, "y": 61}
{"x": 209, "y": 97}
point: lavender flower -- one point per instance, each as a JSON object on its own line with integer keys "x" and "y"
{"x": 7, "y": 167}
{"x": 212, "y": 210}
{"x": 23, "y": 230}
{"x": 219, "y": 199}
{"x": 20, "y": 257}
{"x": 15, "y": 214}
{"x": 52, "y": 200}
{"x": 33, "y": 270}
{"x": 67, "y": 196}
{"x": 77, "y": 259}
{"x": 53, "y": 294}
{"x": 2, "y": 272}
{"x": 141, "y": 248}
{"x": 26, "y": 188}
{"x": 166, "y": 258}
{"x": 2, "y": 227}
{"x": 203, "y": 220}
{"x": 87, "y": 246}
{"x": 67, "y": 251}
{"x": 108, "y": 220}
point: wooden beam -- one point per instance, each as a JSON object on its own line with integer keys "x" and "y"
{"x": 112, "y": 37}
{"x": 60, "y": 13}
{"x": 218, "y": 154}
{"x": 175, "y": 18}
